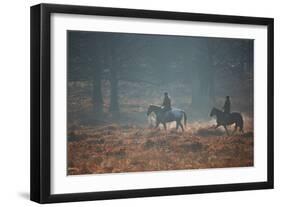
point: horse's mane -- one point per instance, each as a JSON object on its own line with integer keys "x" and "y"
{"x": 214, "y": 108}
{"x": 153, "y": 105}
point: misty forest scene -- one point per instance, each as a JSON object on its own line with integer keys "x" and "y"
{"x": 147, "y": 102}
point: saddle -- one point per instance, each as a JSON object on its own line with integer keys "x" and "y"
{"x": 166, "y": 111}
{"x": 227, "y": 116}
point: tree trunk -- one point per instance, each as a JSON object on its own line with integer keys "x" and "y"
{"x": 114, "y": 96}
{"x": 203, "y": 81}
{"x": 212, "y": 69}
{"x": 251, "y": 55}
{"x": 97, "y": 92}
{"x": 114, "y": 102}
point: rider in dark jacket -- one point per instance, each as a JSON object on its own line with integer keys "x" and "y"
{"x": 166, "y": 102}
{"x": 226, "y": 106}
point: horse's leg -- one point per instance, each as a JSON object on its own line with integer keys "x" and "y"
{"x": 217, "y": 126}
{"x": 164, "y": 124}
{"x": 234, "y": 129}
{"x": 177, "y": 126}
{"x": 157, "y": 124}
{"x": 241, "y": 130}
{"x": 226, "y": 130}
{"x": 181, "y": 126}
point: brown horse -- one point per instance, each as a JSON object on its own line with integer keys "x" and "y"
{"x": 224, "y": 120}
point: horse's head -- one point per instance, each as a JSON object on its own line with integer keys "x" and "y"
{"x": 149, "y": 110}
{"x": 152, "y": 108}
{"x": 213, "y": 112}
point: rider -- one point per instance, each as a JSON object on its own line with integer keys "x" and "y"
{"x": 166, "y": 102}
{"x": 226, "y": 106}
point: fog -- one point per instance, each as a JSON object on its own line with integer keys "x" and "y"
{"x": 114, "y": 77}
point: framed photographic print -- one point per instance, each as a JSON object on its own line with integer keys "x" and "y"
{"x": 133, "y": 103}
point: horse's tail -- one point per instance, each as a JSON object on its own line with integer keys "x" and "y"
{"x": 184, "y": 117}
{"x": 241, "y": 124}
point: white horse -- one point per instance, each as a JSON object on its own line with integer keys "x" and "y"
{"x": 167, "y": 116}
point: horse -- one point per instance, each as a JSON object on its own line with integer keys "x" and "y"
{"x": 224, "y": 120}
{"x": 167, "y": 116}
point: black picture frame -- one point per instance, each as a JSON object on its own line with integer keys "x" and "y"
{"x": 41, "y": 97}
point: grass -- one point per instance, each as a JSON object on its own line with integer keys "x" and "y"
{"x": 124, "y": 148}
{"x": 127, "y": 144}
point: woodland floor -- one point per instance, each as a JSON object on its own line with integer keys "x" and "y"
{"x": 128, "y": 148}
{"x": 129, "y": 145}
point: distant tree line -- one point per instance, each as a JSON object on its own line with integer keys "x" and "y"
{"x": 155, "y": 60}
